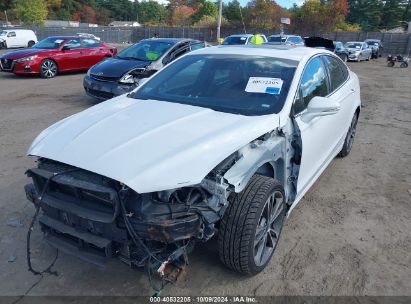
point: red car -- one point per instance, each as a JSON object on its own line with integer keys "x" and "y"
{"x": 55, "y": 55}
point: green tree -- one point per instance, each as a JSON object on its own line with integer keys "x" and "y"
{"x": 206, "y": 9}
{"x": 151, "y": 12}
{"x": 392, "y": 13}
{"x": 121, "y": 10}
{"x": 31, "y": 12}
{"x": 366, "y": 13}
{"x": 231, "y": 11}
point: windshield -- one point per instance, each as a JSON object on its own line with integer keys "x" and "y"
{"x": 49, "y": 43}
{"x": 3, "y": 33}
{"x": 240, "y": 84}
{"x": 353, "y": 45}
{"x": 234, "y": 40}
{"x": 145, "y": 50}
{"x": 276, "y": 39}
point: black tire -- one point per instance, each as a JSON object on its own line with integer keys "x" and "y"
{"x": 349, "y": 138}
{"x": 3, "y": 45}
{"x": 390, "y": 64}
{"x": 404, "y": 65}
{"x": 31, "y": 43}
{"x": 48, "y": 68}
{"x": 244, "y": 218}
{"x": 344, "y": 58}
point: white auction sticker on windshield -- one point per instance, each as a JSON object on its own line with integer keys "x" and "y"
{"x": 265, "y": 85}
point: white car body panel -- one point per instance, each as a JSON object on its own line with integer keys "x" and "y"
{"x": 153, "y": 146}
{"x": 149, "y": 145}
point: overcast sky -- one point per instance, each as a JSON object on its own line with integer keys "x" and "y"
{"x": 283, "y": 3}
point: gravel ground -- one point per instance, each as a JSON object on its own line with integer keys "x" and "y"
{"x": 350, "y": 235}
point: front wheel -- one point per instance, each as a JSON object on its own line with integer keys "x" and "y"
{"x": 48, "y": 68}
{"x": 344, "y": 58}
{"x": 251, "y": 226}
{"x": 390, "y": 64}
{"x": 3, "y": 45}
{"x": 31, "y": 43}
{"x": 404, "y": 65}
{"x": 349, "y": 138}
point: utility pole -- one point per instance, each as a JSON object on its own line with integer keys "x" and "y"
{"x": 220, "y": 14}
{"x": 7, "y": 20}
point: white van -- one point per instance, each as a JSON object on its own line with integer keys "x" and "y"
{"x": 17, "y": 38}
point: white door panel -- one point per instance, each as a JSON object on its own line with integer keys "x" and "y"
{"x": 322, "y": 135}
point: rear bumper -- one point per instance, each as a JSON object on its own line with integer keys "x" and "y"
{"x": 94, "y": 230}
{"x": 104, "y": 90}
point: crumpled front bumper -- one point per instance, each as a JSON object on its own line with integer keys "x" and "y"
{"x": 84, "y": 219}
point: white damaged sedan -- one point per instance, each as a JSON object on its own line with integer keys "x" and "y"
{"x": 225, "y": 141}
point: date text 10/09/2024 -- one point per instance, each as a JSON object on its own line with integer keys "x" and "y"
{"x": 203, "y": 299}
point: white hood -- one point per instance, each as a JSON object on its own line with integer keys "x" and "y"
{"x": 149, "y": 145}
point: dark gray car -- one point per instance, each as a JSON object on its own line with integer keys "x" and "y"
{"x": 122, "y": 73}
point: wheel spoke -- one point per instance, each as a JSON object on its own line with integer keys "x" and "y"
{"x": 260, "y": 248}
{"x": 260, "y": 232}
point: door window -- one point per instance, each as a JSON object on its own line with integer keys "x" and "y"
{"x": 74, "y": 44}
{"x": 180, "y": 52}
{"x": 337, "y": 70}
{"x": 197, "y": 46}
{"x": 313, "y": 83}
{"x": 11, "y": 34}
{"x": 89, "y": 43}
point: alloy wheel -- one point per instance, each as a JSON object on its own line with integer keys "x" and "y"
{"x": 269, "y": 228}
{"x": 48, "y": 69}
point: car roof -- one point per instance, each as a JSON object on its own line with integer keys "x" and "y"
{"x": 13, "y": 30}
{"x": 278, "y": 35}
{"x": 169, "y": 40}
{"x": 292, "y": 52}
{"x": 64, "y": 37}
{"x": 241, "y": 35}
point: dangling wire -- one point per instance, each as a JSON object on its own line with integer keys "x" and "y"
{"x": 31, "y": 228}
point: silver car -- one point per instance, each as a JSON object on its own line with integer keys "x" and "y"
{"x": 358, "y": 51}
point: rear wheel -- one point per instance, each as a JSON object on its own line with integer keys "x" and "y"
{"x": 344, "y": 57}
{"x": 349, "y": 138}
{"x": 404, "y": 65}
{"x": 48, "y": 68}
{"x": 31, "y": 43}
{"x": 251, "y": 226}
{"x": 390, "y": 64}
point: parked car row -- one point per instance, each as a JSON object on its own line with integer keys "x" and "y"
{"x": 225, "y": 139}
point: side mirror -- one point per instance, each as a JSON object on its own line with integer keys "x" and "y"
{"x": 65, "y": 48}
{"x": 321, "y": 106}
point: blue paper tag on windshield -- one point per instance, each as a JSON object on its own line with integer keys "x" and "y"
{"x": 271, "y": 90}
